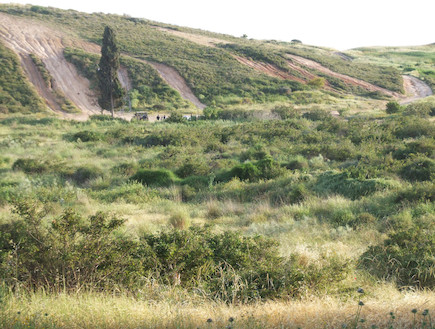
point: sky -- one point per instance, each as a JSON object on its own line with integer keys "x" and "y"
{"x": 339, "y": 24}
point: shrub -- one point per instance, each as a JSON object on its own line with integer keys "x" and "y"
{"x": 176, "y": 117}
{"x": 268, "y": 168}
{"x": 197, "y": 182}
{"x": 423, "y": 110}
{"x": 419, "y": 169}
{"x": 193, "y": 167}
{"x": 418, "y": 193}
{"x": 298, "y": 163}
{"x": 86, "y": 173}
{"x": 286, "y": 112}
{"x": 352, "y": 188}
{"x": 31, "y": 166}
{"x": 413, "y": 127}
{"x": 424, "y": 146}
{"x": 179, "y": 220}
{"x": 71, "y": 253}
{"x": 160, "y": 177}
{"x": 229, "y": 266}
{"x": 393, "y": 107}
{"x": 317, "y": 83}
{"x": 87, "y": 136}
{"x": 245, "y": 171}
{"x": 406, "y": 257}
{"x": 317, "y": 115}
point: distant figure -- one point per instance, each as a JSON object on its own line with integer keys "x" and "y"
{"x": 164, "y": 117}
{"x": 158, "y": 117}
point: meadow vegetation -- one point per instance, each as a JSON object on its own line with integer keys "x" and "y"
{"x": 222, "y": 211}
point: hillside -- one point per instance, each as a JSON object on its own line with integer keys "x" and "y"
{"x": 172, "y": 67}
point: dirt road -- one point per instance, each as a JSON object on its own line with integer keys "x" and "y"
{"x": 415, "y": 89}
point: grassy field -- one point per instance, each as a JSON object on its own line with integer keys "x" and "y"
{"x": 331, "y": 200}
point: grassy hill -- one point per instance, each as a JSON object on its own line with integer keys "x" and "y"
{"x": 212, "y": 72}
{"x": 418, "y": 61}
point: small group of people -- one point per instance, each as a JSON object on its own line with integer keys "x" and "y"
{"x": 159, "y": 117}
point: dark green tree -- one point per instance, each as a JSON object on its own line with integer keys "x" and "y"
{"x": 111, "y": 91}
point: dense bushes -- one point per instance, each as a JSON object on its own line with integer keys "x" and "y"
{"x": 71, "y": 253}
{"x": 406, "y": 257}
{"x": 31, "y": 166}
{"x": 352, "y": 188}
{"x": 75, "y": 253}
{"x": 87, "y": 136}
{"x": 419, "y": 169}
{"x": 161, "y": 177}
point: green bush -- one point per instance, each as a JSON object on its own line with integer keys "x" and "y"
{"x": 87, "y": 136}
{"x": 423, "y": 146}
{"x": 393, "y": 107}
{"x": 84, "y": 174}
{"x": 418, "y": 193}
{"x": 193, "y": 167}
{"x": 160, "y": 177}
{"x": 422, "y": 109}
{"x": 413, "y": 127}
{"x": 70, "y": 253}
{"x": 31, "y": 166}
{"x": 286, "y": 112}
{"x": 299, "y": 163}
{"x": 406, "y": 257}
{"x": 419, "y": 169}
{"x": 352, "y": 188}
{"x": 245, "y": 171}
{"x": 197, "y": 182}
{"x": 317, "y": 115}
{"x": 229, "y": 266}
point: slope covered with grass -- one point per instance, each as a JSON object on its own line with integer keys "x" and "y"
{"x": 213, "y": 72}
{"x": 16, "y": 93}
{"x": 418, "y": 60}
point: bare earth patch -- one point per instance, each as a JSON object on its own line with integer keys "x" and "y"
{"x": 26, "y": 37}
{"x": 196, "y": 38}
{"x": 29, "y": 37}
{"x": 415, "y": 89}
{"x": 347, "y": 79}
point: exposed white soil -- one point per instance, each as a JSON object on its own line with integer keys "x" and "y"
{"x": 415, "y": 89}
{"x": 176, "y": 81}
{"x": 26, "y": 37}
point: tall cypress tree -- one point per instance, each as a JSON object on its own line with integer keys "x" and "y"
{"x": 111, "y": 91}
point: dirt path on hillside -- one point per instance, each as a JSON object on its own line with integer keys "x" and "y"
{"x": 276, "y": 72}
{"x": 415, "y": 89}
{"x": 36, "y": 79}
{"x": 29, "y": 37}
{"x": 347, "y": 79}
{"x": 176, "y": 81}
{"x": 267, "y": 69}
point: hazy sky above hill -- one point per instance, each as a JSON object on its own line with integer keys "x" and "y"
{"x": 340, "y": 24}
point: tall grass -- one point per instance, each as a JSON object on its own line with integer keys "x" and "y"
{"x": 156, "y": 308}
